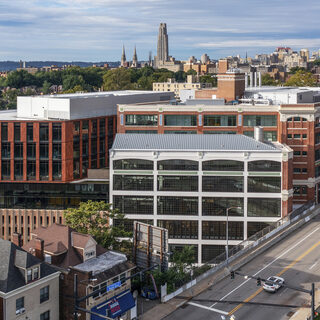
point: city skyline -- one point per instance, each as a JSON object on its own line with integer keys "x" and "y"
{"x": 96, "y": 31}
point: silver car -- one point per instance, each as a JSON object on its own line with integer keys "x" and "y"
{"x": 272, "y": 284}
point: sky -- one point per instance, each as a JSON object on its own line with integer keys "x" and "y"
{"x": 95, "y": 30}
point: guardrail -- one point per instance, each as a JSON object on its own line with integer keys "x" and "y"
{"x": 242, "y": 248}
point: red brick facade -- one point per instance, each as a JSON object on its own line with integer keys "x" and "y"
{"x": 71, "y": 133}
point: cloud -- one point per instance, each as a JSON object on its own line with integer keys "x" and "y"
{"x": 96, "y": 29}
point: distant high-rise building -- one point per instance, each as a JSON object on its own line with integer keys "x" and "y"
{"x": 204, "y": 58}
{"x": 134, "y": 58}
{"x": 123, "y": 58}
{"x": 163, "y": 48}
{"x": 150, "y": 59}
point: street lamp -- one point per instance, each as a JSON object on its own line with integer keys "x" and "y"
{"x": 227, "y": 231}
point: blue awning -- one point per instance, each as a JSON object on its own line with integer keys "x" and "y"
{"x": 114, "y": 307}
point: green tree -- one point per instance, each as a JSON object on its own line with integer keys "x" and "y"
{"x": 46, "y": 87}
{"x": 209, "y": 79}
{"x": 191, "y": 72}
{"x": 21, "y": 78}
{"x": 180, "y": 76}
{"x": 72, "y": 80}
{"x": 296, "y": 69}
{"x": 316, "y": 62}
{"x": 267, "y": 80}
{"x": 302, "y": 78}
{"x": 117, "y": 79}
{"x": 93, "y": 217}
{"x": 182, "y": 260}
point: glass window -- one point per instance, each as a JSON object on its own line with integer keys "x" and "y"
{"x": 76, "y": 127}
{"x": 297, "y": 153}
{"x": 180, "y": 132}
{"x": 17, "y": 132}
{"x": 264, "y": 184}
{"x": 31, "y": 150}
{"x": 18, "y": 169}
{"x": 45, "y": 315}
{"x": 44, "y": 294}
{"x": 178, "y": 205}
{"x": 180, "y": 165}
{"x": 270, "y": 135}
{"x": 44, "y": 170}
{"x": 216, "y": 230}
{"x": 264, "y": 166}
{"x": 29, "y": 275}
{"x": 218, "y": 132}
{"x": 85, "y": 125}
{"x": 44, "y": 132}
{"x": 177, "y": 183}
{"x": 141, "y": 120}
{"x": 209, "y": 252}
{"x": 102, "y": 127}
{"x": 178, "y": 229}
{"x": 18, "y": 150}
{"x": 255, "y": 227}
{"x": 44, "y": 150}
{"x": 301, "y": 190}
{"x": 220, "y": 120}
{"x": 31, "y": 169}
{"x": 289, "y": 136}
{"x": 296, "y": 136}
{"x": 133, "y": 164}
{"x": 133, "y": 204}
{"x": 30, "y": 132}
{"x": 94, "y": 128}
{"x": 142, "y": 131}
{"x": 56, "y": 150}
{"x": 5, "y": 150}
{"x": 56, "y": 131}
{"x": 19, "y": 303}
{"x": 180, "y": 120}
{"x": 222, "y": 165}
{"x": 85, "y": 145}
{"x": 260, "y": 120}
{"x": 263, "y": 207}
{"x": 5, "y": 169}
{"x": 4, "y": 131}
{"x": 128, "y": 182}
{"x": 248, "y": 133}
{"x": 56, "y": 170}
{"x": 218, "y": 206}
{"x": 222, "y": 184}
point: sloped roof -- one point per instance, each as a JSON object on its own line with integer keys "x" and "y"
{"x": 190, "y": 142}
{"x": 12, "y": 259}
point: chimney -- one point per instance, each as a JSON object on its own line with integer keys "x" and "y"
{"x": 258, "y": 133}
{"x": 39, "y": 248}
{"x": 223, "y": 66}
{"x": 17, "y": 239}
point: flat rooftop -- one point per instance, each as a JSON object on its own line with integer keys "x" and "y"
{"x": 190, "y": 142}
{"x": 102, "y": 263}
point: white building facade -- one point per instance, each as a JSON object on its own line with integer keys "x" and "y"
{"x": 186, "y": 184}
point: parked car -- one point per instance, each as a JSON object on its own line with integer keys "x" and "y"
{"x": 273, "y": 284}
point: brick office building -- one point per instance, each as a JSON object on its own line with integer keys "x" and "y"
{"x": 48, "y": 146}
{"x": 297, "y": 125}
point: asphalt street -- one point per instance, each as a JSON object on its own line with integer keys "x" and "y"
{"x": 296, "y": 259}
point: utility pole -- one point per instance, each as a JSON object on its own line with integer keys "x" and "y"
{"x": 75, "y": 292}
{"x": 312, "y": 301}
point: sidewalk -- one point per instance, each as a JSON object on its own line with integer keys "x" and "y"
{"x": 305, "y": 313}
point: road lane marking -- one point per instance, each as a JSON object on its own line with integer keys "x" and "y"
{"x": 268, "y": 265}
{"x": 279, "y": 274}
{"x": 208, "y": 308}
{"x": 313, "y": 265}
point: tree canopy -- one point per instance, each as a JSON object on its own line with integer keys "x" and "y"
{"x": 93, "y": 218}
{"x": 302, "y": 78}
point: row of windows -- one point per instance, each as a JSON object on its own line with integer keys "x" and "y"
{"x": 257, "y": 207}
{"x": 297, "y": 136}
{"x": 185, "y": 165}
{"x": 31, "y": 150}
{"x": 190, "y": 183}
{"x": 31, "y": 170}
{"x": 43, "y": 132}
{"x": 208, "y": 120}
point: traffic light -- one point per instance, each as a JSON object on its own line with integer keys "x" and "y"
{"x": 232, "y": 274}
{"x": 258, "y": 282}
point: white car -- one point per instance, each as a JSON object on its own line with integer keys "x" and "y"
{"x": 272, "y": 284}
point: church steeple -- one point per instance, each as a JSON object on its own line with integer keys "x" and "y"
{"x": 134, "y": 58}
{"x": 123, "y": 57}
